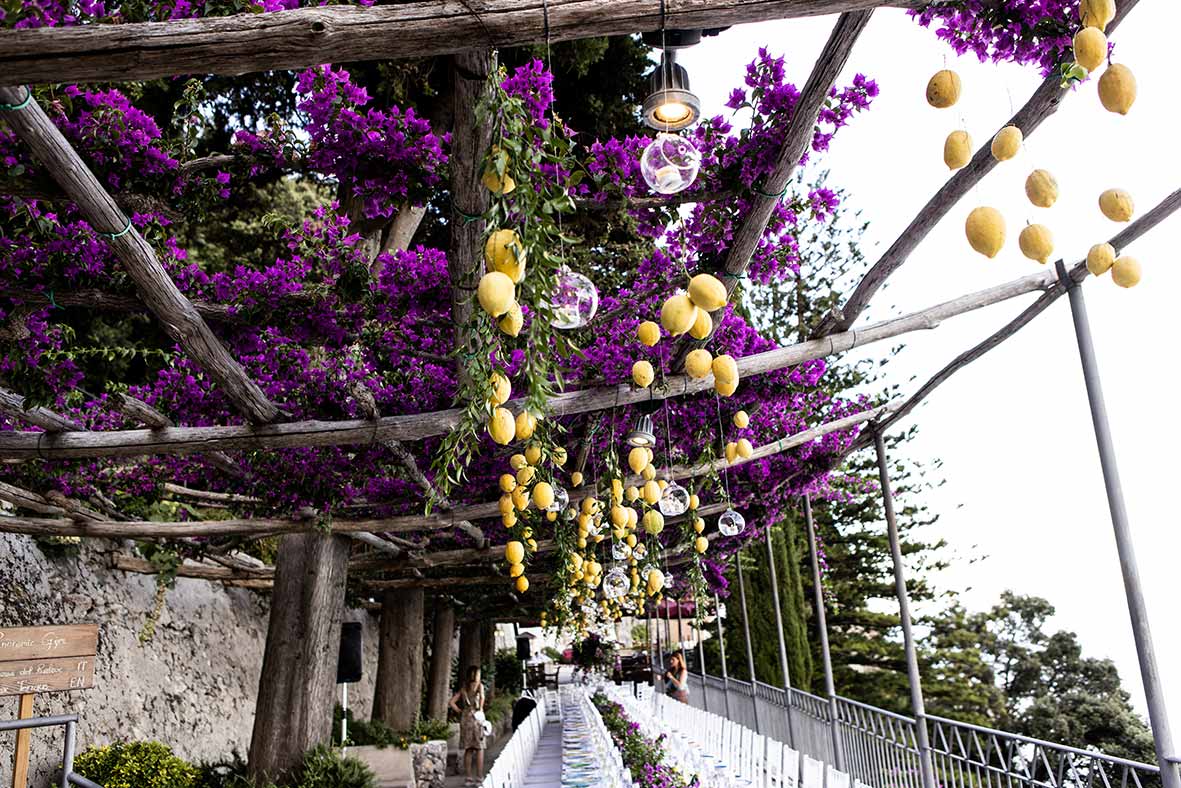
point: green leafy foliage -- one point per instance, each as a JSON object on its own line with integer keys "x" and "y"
{"x": 509, "y": 674}
{"x": 138, "y": 764}
{"x": 376, "y": 733}
{"x": 324, "y": 767}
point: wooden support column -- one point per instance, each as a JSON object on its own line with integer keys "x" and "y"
{"x": 398, "y": 690}
{"x": 298, "y": 683}
{"x": 488, "y": 655}
{"x": 469, "y": 647}
{"x": 438, "y": 688}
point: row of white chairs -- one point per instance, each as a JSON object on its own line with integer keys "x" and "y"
{"x": 513, "y": 761}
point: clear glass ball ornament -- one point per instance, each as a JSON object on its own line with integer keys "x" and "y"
{"x": 615, "y": 583}
{"x": 731, "y": 523}
{"x": 674, "y": 500}
{"x": 640, "y": 552}
{"x": 574, "y": 301}
{"x": 620, "y": 551}
{"x": 670, "y": 163}
{"x": 561, "y": 500}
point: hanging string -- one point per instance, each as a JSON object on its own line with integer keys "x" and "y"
{"x": 722, "y": 437}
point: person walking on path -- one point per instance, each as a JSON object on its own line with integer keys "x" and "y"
{"x": 468, "y": 703}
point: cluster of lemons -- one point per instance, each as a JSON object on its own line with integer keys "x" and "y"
{"x": 520, "y": 490}
{"x": 689, "y": 313}
{"x": 742, "y": 447}
{"x": 985, "y": 226}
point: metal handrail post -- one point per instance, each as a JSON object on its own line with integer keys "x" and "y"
{"x": 838, "y": 749}
{"x": 926, "y": 766}
{"x": 722, "y": 652}
{"x": 1158, "y": 716}
{"x": 701, "y": 652}
{"x": 68, "y": 754}
{"x": 750, "y": 654}
{"x": 791, "y": 733}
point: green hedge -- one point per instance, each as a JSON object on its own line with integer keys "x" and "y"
{"x": 136, "y": 764}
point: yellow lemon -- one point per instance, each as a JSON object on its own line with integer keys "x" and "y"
{"x": 651, "y": 492}
{"x": 655, "y": 582}
{"x": 731, "y": 451}
{"x": 1096, "y": 13}
{"x": 725, "y": 369}
{"x": 1090, "y": 48}
{"x": 653, "y": 522}
{"x": 700, "y": 544}
{"x": 531, "y": 544}
{"x": 516, "y": 570}
{"x": 678, "y": 314}
{"x": 498, "y": 184}
{"x": 514, "y": 552}
{"x": 985, "y": 229}
{"x": 1100, "y": 258}
{"x": 508, "y": 483}
{"x": 662, "y": 483}
{"x": 1036, "y": 242}
{"x": 1041, "y": 188}
{"x": 509, "y": 518}
{"x": 495, "y": 293}
{"x": 576, "y": 478}
{"x": 648, "y": 333}
{"x": 503, "y": 253}
{"x": 513, "y": 320}
{"x": 741, "y": 419}
{"x": 698, "y": 524}
{"x": 590, "y": 506}
{"x": 633, "y": 519}
{"x": 649, "y": 472}
{"x": 533, "y": 454}
{"x": 694, "y": 501}
{"x": 1007, "y": 143}
{"x": 698, "y": 363}
{"x": 501, "y": 389}
{"x": 702, "y": 326}
{"x": 500, "y": 425}
{"x": 517, "y": 461}
{"x": 617, "y": 490}
{"x": 1117, "y": 205}
{"x": 637, "y": 458}
{"x": 618, "y": 516}
{"x": 631, "y": 540}
{"x": 707, "y": 292}
{"x": 643, "y": 374}
{"x": 1117, "y": 89}
{"x": 957, "y": 150}
{"x": 551, "y": 516}
{"x": 943, "y": 89}
{"x": 521, "y": 499}
{"x": 725, "y": 389}
{"x": 1125, "y": 272}
{"x": 505, "y": 503}
{"x": 558, "y": 456}
{"x": 631, "y": 493}
{"x": 526, "y": 424}
{"x": 522, "y": 584}
{"x": 745, "y": 449}
{"x": 543, "y": 495}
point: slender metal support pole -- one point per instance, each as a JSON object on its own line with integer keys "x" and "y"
{"x": 68, "y": 754}
{"x": 722, "y": 653}
{"x": 750, "y": 654}
{"x": 680, "y": 628}
{"x": 1158, "y": 715}
{"x": 838, "y": 749}
{"x": 697, "y": 622}
{"x": 926, "y": 766}
{"x": 787, "y": 695}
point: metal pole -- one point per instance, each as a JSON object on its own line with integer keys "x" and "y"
{"x": 697, "y": 622}
{"x": 68, "y": 755}
{"x": 750, "y": 655}
{"x": 838, "y": 749}
{"x": 1158, "y": 716}
{"x": 926, "y": 767}
{"x": 791, "y": 738}
{"x": 680, "y": 629}
{"x": 722, "y": 653}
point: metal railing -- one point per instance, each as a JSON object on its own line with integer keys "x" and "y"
{"x": 880, "y": 748}
{"x": 70, "y": 721}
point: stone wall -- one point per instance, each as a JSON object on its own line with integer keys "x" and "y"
{"x": 192, "y": 686}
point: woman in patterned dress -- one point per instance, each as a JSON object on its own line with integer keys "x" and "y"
{"x": 468, "y": 703}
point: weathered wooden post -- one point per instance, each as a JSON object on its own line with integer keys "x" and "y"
{"x": 469, "y": 647}
{"x": 398, "y": 689}
{"x": 297, "y": 687}
{"x": 488, "y": 655}
{"x": 438, "y": 688}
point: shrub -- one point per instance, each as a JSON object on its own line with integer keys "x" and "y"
{"x": 509, "y": 674}
{"x": 374, "y": 732}
{"x": 324, "y": 767}
{"x": 137, "y": 764}
{"x": 499, "y": 707}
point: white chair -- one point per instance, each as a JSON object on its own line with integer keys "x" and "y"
{"x": 774, "y": 764}
{"x": 791, "y": 767}
{"x": 812, "y": 773}
{"x": 834, "y": 778}
{"x": 758, "y": 760}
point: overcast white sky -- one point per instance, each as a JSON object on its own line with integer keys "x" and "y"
{"x": 1024, "y": 486}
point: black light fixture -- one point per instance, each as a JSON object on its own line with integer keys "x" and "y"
{"x": 670, "y": 105}
{"x": 643, "y": 436}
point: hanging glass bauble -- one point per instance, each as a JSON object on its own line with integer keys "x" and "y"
{"x": 674, "y": 500}
{"x": 561, "y": 500}
{"x": 670, "y": 163}
{"x": 616, "y": 583}
{"x": 574, "y": 300}
{"x": 620, "y": 551}
{"x": 593, "y": 528}
{"x": 731, "y": 523}
{"x": 640, "y": 552}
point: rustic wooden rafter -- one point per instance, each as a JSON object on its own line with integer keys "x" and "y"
{"x": 13, "y": 406}
{"x": 304, "y": 37}
{"x": 176, "y": 314}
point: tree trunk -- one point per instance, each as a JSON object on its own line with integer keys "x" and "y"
{"x": 469, "y": 647}
{"x": 438, "y": 688}
{"x": 488, "y": 655}
{"x": 398, "y": 693}
{"x": 298, "y": 681}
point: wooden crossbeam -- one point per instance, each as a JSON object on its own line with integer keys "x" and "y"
{"x": 176, "y": 314}
{"x": 304, "y": 37}
{"x": 1041, "y": 105}
{"x": 13, "y": 405}
{"x": 188, "y": 440}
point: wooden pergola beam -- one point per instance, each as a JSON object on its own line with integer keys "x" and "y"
{"x": 189, "y": 440}
{"x": 304, "y": 37}
{"x": 13, "y": 406}
{"x": 1042, "y": 104}
{"x": 176, "y": 314}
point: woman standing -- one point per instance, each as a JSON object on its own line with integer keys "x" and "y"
{"x": 676, "y": 678}
{"x": 468, "y": 703}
